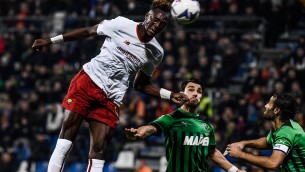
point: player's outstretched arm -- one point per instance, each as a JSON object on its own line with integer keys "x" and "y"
{"x": 272, "y": 162}
{"x": 73, "y": 35}
{"x": 260, "y": 143}
{"x": 140, "y": 133}
{"x": 143, "y": 83}
{"x": 222, "y": 162}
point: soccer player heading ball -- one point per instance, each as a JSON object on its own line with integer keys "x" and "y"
{"x": 96, "y": 92}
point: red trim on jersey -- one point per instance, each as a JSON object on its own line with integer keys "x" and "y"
{"x": 138, "y": 34}
{"x": 90, "y": 165}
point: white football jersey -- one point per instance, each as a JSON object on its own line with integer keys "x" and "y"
{"x": 122, "y": 56}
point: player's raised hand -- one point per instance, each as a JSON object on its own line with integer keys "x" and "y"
{"x": 179, "y": 98}
{"x": 40, "y": 43}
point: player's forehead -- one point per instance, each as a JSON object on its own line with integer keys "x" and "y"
{"x": 158, "y": 14}
{"x": 193, "y": 85}
{"x": 272, "y": 100}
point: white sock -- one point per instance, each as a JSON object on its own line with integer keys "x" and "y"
{"x": 95, "y": 165}
{"x": 57, "y": 160}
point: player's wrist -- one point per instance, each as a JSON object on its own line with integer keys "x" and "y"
{"x": 165, "y": 94}
{"x": 57, "y": 39}
{"x": 242, "y": 144}
{"x": 233, "y": 169}
{"x": 242, "y": 155}
{"x": 149, "y": 131}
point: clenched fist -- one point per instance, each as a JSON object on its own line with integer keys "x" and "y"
{"x": 179, "y": 98}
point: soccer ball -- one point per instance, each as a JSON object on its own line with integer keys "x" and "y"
{"x": 185, "y": 11}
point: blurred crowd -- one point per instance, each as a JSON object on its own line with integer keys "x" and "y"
{"x": 238, "y": 80}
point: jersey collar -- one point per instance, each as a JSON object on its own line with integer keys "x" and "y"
{"x": 179, "y": 113}
{"x": 188, "y": 114}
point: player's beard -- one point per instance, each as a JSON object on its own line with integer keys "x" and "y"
{"x": 193, "y": 104}
{"x": 268, "y": 115}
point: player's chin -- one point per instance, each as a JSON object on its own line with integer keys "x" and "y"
{"x": 151, "y": 33}
{"x": 268, "y": 117}
{"x": 194, "y": 101}
{"x": 193, "y": 104}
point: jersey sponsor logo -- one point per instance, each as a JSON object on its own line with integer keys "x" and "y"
{"x": 206, "y": 127}
{"x": 281, "y": 147}
{"x": 130, "y": 57}
{"x": 126, "y": 42}
{"x": 196, "y": 141}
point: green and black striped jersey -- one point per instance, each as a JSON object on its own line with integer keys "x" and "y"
{"x": 188, "y": 138}
{"x": 290, "y": 139}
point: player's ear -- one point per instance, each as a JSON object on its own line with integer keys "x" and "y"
{"x": 276, "y": 111}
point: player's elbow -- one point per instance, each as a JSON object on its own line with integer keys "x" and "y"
{"x": 273, "y": 165}
{"x": 91, "y": 31}
{"x": 137, "y": 87}
{"x": 274, "y": 168}
{"x": 140, "y": 85}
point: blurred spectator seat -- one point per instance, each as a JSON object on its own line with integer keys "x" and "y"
{"x": 76, "y": 167}
{"x": 163, "y": 164}
{"x": 135, "y": 146}
{"x": 41, "y": 166}
{"x": 23, "y": 166}
{"x": 126, "y": 160}
{"x": 58, "y": 22}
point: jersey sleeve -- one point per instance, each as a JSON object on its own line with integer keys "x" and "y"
{"x": 162, "y": 123}
{"x": 283, "y": 140}
{"x": 108, "y": 27}
{"x": 149, "y": 69}
{"x": 269, "y": 138}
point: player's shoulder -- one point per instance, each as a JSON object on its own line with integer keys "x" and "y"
{"x": 204, "y": 118}
{"x": 124, "y": 20}
{"x": 289, "y": 127}
{"x": 157, "y": 45}
{"x": 164, "y": 117}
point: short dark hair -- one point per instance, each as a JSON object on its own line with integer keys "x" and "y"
{"x": 286, "y": 104}
{"x": 194, "y": 80}
{"x": 164, "y": 5}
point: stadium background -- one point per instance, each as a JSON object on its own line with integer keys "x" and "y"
{"x": 243, "y": 50}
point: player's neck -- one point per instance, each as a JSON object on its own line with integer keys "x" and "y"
{"x": 277, "y": 123}
{"x": 188, "y": 109}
